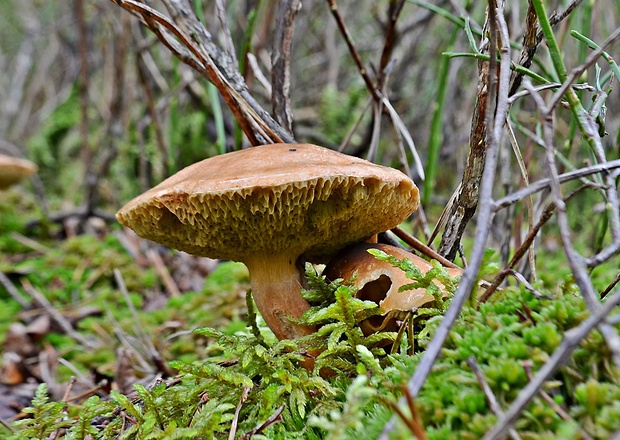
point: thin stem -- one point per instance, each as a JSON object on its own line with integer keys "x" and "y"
{"x": 572, "y": 340}
{"x": 333, "y": 7}
{"x": 542, "y": 184}
{"x": 497, "y": 115}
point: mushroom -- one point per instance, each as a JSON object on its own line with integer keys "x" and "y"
{"x": 13, "y": 169}
{"x": 379, "y": 281}
{"x": 269, "y": 205}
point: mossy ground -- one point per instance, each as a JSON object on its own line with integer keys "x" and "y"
{"x": 225, "y": 374}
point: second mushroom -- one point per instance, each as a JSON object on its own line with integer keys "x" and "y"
{"x": 380, "y": 282}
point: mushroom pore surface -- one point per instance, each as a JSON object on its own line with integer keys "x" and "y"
{"x": 260, "y": 200}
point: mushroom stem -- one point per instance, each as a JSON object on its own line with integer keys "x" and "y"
{"x": 276, "y": 283}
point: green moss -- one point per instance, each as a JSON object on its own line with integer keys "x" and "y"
{"x": 355, "y": 403}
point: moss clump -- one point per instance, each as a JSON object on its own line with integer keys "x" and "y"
{"x": 256, "y": 384}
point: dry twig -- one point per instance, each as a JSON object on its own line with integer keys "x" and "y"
{"x": 235, "y": 422}
{"x": 56, "y": 315}
{"x": 571, "y": 341}
{"x": 496, "y": 117}
{"x": 488, "y": 392}
{"x": 280, "y": 62}
{"x": 193, "y": 45}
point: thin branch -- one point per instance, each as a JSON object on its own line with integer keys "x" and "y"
{"x": 394, "y": 10}
{"x": 468, "y": 196}
{"x": 235, "y": 422}
{"x": 195, "y": 48}
{"x": 611, "y": 286}
{"x": 575, "y": 261}
{"x": 271, "y": 420}
{"x": 56, "y": 315}
{"x": 421, "y": 247}
{"x": 520, "y": 253}
{"x": 333, "y": 7}
{"x": 572, "y": 339}
{"x": 220, "y": 7}
{"x": 543, "y": 184}
{"x": 488, "y": 392}
{"x": 527, "y": 366}
{"x": 577, "y": 71}
{"x": 9, "y": 287}
{"x": 485, "y": 217}
{"x": 280, "y": 62}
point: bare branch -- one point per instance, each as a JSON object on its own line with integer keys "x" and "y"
{"x": 194, "y": 46}
{"x": 498, "y": 117}
{"x": 280, "y": 62}
{"x": 542, "y": 184}
{"x": 488, "y": 392}
{"x": 333, "y": 7}
{"x": 571, "y": 341}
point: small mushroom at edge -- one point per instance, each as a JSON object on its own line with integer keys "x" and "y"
{"x": 379, "y": 281}
{"x": 268, "y": 205}
{"x": 14, "y": 169}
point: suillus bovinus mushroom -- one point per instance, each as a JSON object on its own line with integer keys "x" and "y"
{"x": 269, "y": 205}
{"x": 13, "y": 169}
{"x": 379, "y": 281}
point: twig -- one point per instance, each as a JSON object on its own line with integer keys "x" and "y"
{"x": 29, "y": 242}
{"x": 483, "y": 224}
{"x": 611, "y": 286}
{"x": 83, "y": 84}
{"x": 421, "y": 247}
{"x": 225, "y": 75}
{"x": 527, "y": 366}
{"x": 78, "y": 374}
{"x": 577, "y": 71}
{"x": 416, "y": 427}
{"x": 394, "y": 10}
{"x": 549, "y": 86}
{"x": 378, "y": 97}
{"x": 280, "y": 62}
{"x": 196, "y": 49}
{"x": 147, "y": 346}
{"x": 90, "y": 392}
{"x": 333, "y": 7}
{"x": 413, "y": 423}
{"x": 576, "y": 262}
{"x": 142, "y": 63}
{"x": 520, "y": 278}
{"x": 488, "y": 392}
{"x": 6, "y": 425}
{"x": 56, "y": 315}
{"x": 220, "y": 7}
{"x": 235, "y": 422}
{"x": 105, "y": 152}
{"x": 542, "y": 184}
{"x": 65, "y": 397}
{"x": 521, "y": 251}
{"x": 529, "y": 46}
{"x": 9, "y": 287}
{"x": 162, "y": 271}
{"x": 274, "y": 418}
{"x": 572, "y": 339}
{"x": 468, "y": 196}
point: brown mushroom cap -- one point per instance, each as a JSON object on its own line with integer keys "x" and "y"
{"x": 379, "y": 281}
{"x": 13, "y": 169}
{"x": 269, "y": 198}
{"x": 268, "y": 205}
